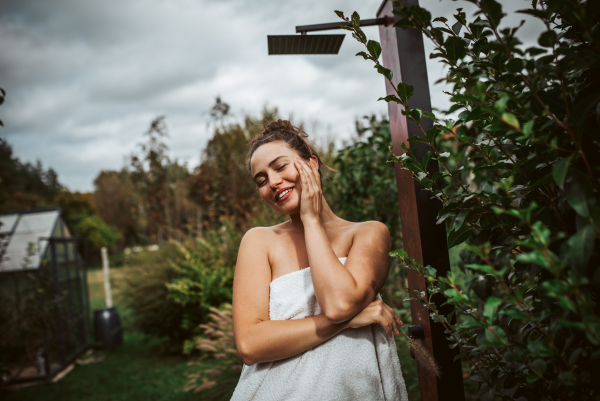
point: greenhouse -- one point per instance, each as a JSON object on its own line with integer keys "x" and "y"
{"x": 44, "y": 298}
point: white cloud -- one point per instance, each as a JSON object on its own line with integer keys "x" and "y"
{"x": 84, "y": 79}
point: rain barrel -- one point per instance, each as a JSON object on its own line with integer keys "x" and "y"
{"x": 107, "y": 325}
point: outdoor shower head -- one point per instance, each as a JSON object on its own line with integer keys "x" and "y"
{"x": 304, "y": 44}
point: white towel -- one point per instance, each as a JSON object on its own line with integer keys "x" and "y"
{"x": 355, "y": 364}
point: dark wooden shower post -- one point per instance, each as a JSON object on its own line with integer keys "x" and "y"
{"x": 403, "y": 53}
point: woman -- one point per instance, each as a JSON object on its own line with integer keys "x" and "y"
{"x": 319, "y": 332}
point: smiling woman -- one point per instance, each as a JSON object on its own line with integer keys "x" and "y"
{"x": 315, "y": 332}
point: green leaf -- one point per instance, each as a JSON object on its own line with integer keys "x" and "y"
{"x": 420, "y": 14}
{"x": 539, "y": 365}
{"x": 574, "y": 356}
{"x": 579, "y": 194}
{"x": 405, "y": 91}
{"x": 500, "y": 104}
{"x": 491, "y": 337}
{"x": 390, "y": 98}
{"x": 441, "y": 19}
{"x": 374, "y": 48}
{"x": 427, "y": 158}
{"x": 432, "y": 133}
{"x": 460, "y": 219}
{"x": 384, "y": 71}
{"x": 355, "y": 19}
{"x": 511, "y": 120}
{"x": 515, "y": 65}
{"x": 455, "y": 48}
{"x": 560, "y": 169}
{"x": 540, "y": 348}
{"x": 482, "y": 268}
{"x": 581, "y": 247}
{"x": 491, "y": 306}
{"x": 404, "y": 23}
{"x": 456, "y": 28}
{"x": 416, "y": 114}
{"x": 493, "y": 10}
{"x": 547, "y": 39}
{"x": 340, "y": 14}
{"x": 515, "y": 313}
{"x": 364, "y": 55}
{"x": 528, "y": 128}
{"x": 567, "y": 378}
{"x": 458, "y": 237}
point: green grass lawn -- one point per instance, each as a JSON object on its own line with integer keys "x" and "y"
{"x": 132, "y": 371}
{"x": 129, "y": 372}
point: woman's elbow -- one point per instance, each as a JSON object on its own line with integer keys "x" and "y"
{"x": 246, "y": 352}
{"x": 340, "y": 312}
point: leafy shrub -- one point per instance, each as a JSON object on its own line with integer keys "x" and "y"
{"x": 171, "y": 290}
{"x": 364, "y": 185}
{"x": 519, "y": 189}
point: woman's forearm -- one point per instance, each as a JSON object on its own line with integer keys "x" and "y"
{"x": 335, "y": 287}
{"x": 271, "y": 340}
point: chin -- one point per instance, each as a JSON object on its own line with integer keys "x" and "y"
{"x": 292, "y": 206}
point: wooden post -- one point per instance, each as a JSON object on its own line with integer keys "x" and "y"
{"x": 105, "y": 270}
{"x": 403, "y": 53}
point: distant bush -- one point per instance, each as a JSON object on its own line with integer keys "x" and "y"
{"x": 172, "y": 290}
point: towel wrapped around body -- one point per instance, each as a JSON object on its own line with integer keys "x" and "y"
{"x": 355, "y": 364}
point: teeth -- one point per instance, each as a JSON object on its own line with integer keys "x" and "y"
{"x": 281, "y": 195}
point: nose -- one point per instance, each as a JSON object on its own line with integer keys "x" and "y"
{"x": 274, "y": 179}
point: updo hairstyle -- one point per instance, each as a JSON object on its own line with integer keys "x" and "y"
{"x": 294, "y": 137}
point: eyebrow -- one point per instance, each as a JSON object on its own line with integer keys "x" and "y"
{"x": 270, "y": 164}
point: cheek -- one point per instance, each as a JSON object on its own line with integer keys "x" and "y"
{"x": 264, "y": 192}
{"x": 291, "y": 174}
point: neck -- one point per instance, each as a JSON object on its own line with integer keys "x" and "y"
{"x": 326, "y": 216}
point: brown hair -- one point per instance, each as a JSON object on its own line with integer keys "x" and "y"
{"x": 294, "y": 137}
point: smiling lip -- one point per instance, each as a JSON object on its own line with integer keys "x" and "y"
{"x": 284, "y": 196}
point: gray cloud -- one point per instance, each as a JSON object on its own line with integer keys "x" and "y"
{"x": 84, "y": 79}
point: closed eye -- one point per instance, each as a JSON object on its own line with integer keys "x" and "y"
{"x": 281, "y": 167}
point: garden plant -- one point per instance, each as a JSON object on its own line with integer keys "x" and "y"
{"x": 519, "y": 189}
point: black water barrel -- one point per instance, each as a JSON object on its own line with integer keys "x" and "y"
{"x": 107, "y": 325}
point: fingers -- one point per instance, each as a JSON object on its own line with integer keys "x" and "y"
{"x": 386, "y": 325}
{"x": 308, "y": 169}
{"x": 393, "y": 319}
{"x": 314, "y": 166}
{"x": 302, "y": 175}
{"x": 391, "y": 315}
{"x": 386, "y": 318}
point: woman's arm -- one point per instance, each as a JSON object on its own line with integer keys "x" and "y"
{"x": 342, "y": 290}
{"x": 259, "y": 339}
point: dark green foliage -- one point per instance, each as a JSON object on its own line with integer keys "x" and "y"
{"x": 24, "y": 185}
{"x": 171, "y": 290}
{"x": 519, "y": 185}
{"x": 97, "y": 233}
{"x": 364, "y": 186}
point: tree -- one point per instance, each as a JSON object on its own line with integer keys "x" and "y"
{"x": 520, "y": 192}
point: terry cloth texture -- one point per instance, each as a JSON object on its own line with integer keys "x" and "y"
{"x": 355, "y": 364}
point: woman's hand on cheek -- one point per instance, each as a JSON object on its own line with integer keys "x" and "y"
{"x": 311, "y": 202}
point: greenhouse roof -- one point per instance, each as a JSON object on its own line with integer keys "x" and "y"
{"x": 22, "y": 235}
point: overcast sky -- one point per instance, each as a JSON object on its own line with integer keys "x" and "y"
{"x": 85, "y": 78}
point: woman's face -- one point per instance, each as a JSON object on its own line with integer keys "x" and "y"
{"x": 272, "y": 168}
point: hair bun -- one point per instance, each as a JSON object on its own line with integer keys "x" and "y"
{"x": 279, "y": 125}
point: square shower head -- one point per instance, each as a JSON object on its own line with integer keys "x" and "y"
{"x": 304, "y": 44}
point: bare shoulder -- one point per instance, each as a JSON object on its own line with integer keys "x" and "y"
{"x": 372, "y": 229}
{"x": 257, "y": 235}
